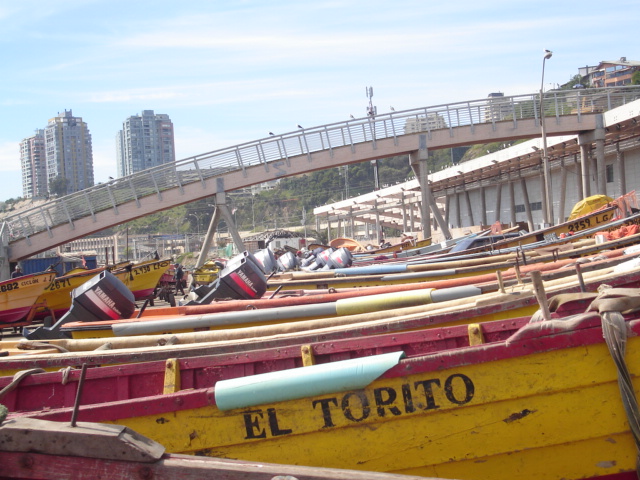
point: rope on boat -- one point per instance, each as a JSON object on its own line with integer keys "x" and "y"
{"x": 614, "y": 329}
{"x": 17, "y": 378}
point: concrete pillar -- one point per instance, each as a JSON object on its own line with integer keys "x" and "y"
{"x": 563, "y": 191}
{"x": 458, "y": 214}
{"x": 527, "y": 205}
{"x": 438, "y": 217}
{"x": 586, "y": 170}
{"x": 404, "y": 213}
{"x": 208, "y": 238}
{"x": 512, "y": 201}
{"x": 447, "y": 208}
{"x": 601, "y": 176}
{"x": 412, "y": 219}
{"x": 599, "y": 137}
{"x": 328, "y": 228}
{"x": 233, "y": 230}
{"x": 498, "y": 203}
{"x": 578, "y": 167}
{"x": 483, "y": 207}
{"x": 545, "y": 200}
{"x": 621, "y": 180}
{"x": 419, "y": 164}
{"x": 378, "y": 227}
{"x": 469, "y": 209}
{"x": 352, "y": 223}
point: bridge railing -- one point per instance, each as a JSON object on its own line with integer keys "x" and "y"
{"x": 273, "y": 150}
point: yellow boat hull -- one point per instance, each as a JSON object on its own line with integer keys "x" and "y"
{"x": 19, "y": 295}
{"x": 546, "y": 416}
{"x": 142, "y": 279}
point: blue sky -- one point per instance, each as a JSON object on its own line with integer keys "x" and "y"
{"x": 228, "y": 72}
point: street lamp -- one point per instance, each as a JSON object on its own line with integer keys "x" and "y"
{"x": 197, "y": 217}
{"x": 545, "y": 158}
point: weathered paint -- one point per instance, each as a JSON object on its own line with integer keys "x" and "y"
{"x": 18, "y": 295}
{"x": 508, "y": 410}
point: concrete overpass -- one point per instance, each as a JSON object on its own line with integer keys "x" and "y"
{"x": 412, "y": 132}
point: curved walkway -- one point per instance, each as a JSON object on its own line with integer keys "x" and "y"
{"x": 214, "y": 173}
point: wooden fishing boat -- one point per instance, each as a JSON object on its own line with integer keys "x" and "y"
{"x": 38, "y": 390}
{"x": 421, "y": 272}
{"x": 19, "y": 295}
{"x": 507, "y": 409}
{"x": 142, "y": 278}
{"x": 45, "y": 450}
{"x": 515, "y": 301}
{"x": 350, "y": 244}
{"x": 348, "y": 305}
{"x": 57, "y": 295}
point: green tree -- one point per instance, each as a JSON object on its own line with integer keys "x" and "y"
{"x": 58, "y": 186}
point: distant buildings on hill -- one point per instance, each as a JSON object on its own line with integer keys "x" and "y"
{"x": 58, "y": 160}
{"x": 145, "y": 141}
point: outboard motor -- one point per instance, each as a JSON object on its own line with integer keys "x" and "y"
{"x": 266, "y": 259}
{"x": 287, "y": 261}
{"x": 241, "y": 279}
{"x": 341, "y": 258}
{"x": 104, "y": 297}
{"x": 323, "y": 257}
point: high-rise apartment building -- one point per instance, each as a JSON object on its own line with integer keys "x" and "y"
{"x": 145, "y": 141}
{"x": 69, "y": 154}
{"x": 34, "y": 166}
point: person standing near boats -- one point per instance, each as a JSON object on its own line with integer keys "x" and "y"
{"x": 17, "y": 272}
{"x": 179, "y": 276}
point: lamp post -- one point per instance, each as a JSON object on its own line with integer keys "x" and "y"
{"x": 545, "y": 159}
{"x": 197, "y": 217}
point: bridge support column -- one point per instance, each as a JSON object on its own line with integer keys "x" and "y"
{"x": 420, "y": 166}
{"x": 599, "y": 137}
{"x": 221, "y": 203}
{"x": 208, "y": 239}
{"x": 585, "y": 147}
{"x": 579, "y": 184}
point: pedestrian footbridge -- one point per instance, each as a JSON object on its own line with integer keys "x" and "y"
{"x": 411, "y": 132}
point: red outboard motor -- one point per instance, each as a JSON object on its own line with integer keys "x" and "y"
{"x": 104, "y": 297}
{"x": 241, "y": 279}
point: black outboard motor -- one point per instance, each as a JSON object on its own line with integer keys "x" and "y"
{"x": 104, "y": 297}
{"x": 241, "y": 279}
